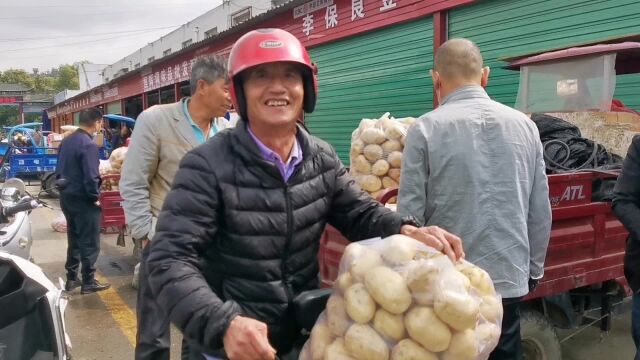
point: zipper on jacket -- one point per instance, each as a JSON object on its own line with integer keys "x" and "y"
{"x": 285, "y": 253}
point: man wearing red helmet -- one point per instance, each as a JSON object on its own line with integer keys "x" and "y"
{"x": 239, "y": 233}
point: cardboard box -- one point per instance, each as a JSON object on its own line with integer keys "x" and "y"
{"x": 99, "y": 139}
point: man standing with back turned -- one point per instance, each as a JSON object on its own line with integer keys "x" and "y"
{"x": 163, "y": 135}
{"x": 475, "y": 167}
{"x": 78, "y": 179}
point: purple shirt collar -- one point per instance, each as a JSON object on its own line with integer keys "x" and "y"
{"x": 286, "y": 170}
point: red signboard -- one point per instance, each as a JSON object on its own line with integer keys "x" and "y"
{"x": 8, "y": 100}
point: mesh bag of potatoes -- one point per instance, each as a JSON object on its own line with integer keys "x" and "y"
{"x": 376, "y": 152}
{"x": 398, "y": 299}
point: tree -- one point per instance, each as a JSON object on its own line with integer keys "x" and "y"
{"x": 17, "y": 76}
{"x": 67, "y": 78}
{"x": 45, "y": 84}
{"x": 8, "y": 115}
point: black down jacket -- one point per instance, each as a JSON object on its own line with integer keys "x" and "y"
{"x": 234, "y": 239}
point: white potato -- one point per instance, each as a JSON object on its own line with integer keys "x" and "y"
{"x": 366, "y": 123}
{"x": 395, "y": 132}
{"x": 389, "y": 325}
{"x": 389, "y": 289}
{"x": 463, "y": 346}
{"x": 361, "y": 165}
{"x": 389, "y": 183}
{"x": 321, "y": 338}
{"x": 357, "y": 146}
{"x": 359, "y": 304}
{"x": 395, "y": 159}
{"x": 337, "y": 319}
{"x": 399, "y": 249}
{"x": 370, "y": 183}
{"x": 372, "y": 135}
{"x": 491, "y": 309}
{"x": 373, "y": 152}
{"x": 424, "y": 327}
{"x": 458, "y": 309}
{"x": 366, "y": 260}
{"x": 364, "y": 343}
{"x": 390, "y": 146}
{"x": 344, "y": 281}
{"x": 408, "y": 349}
{"x": 478, "y": 278}
{"x": 394, "y": 174}
{"x": 337, "y": 351}
{"x": 422, "y": 279}
{"x": 380, "y": 168}
{"x": 488, "y": 336}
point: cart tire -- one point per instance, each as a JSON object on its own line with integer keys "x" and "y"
{"x": 50, "y": 187}
{"x": 539, "y": 338}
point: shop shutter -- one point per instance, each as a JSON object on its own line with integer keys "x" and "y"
{"x": 114, "y": 108}
{"x": 367, "y": 75}
{"x": 76, "y": 118}
{"x": 514, "y": 27}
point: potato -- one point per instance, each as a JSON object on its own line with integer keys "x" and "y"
{"x": 478, "y": 278}
{"x": 394, "y": 158}
{"x": 370, "y": 183}
{"x": 385, "y": 122}
{"x": 337, "y": 319}
{"x": 337, "y": 351}
{"x": 359, "y": 304}
{"x": 394, "y": 174}
{"x": 458, "y": 309}
{"x": 361, "y": 165}
{"x": 488, "y": 335}
{"x": 389, "y": 325}
{"x": 408, "y": 349}
{"x": 399, "y": 249}
{"x": 372, "y": 135}
{"x": 395, "y": 132}
{"x": 344, "y": 281}
{"x": 408, "y": 121}
{"x": 389, "y": 289}
{"x": 357, "y": 146}
{"x": 321, "y": 338}
{"x": 491, "y": 308}
{"x": 364, "y": 343}
{"x": 427, "y": 329}
{"x": 390, "y": 146}
{"x": 389, "y": 183}
{"x": 422, "y": 281}
{"x": 366, "y": 260}
{"x": 380, "y": 168}
{"x": 373, "y": 152}
{"x": 463, "y": 346}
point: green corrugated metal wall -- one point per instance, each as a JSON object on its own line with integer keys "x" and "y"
{"x": 368, "y": 75}
{"x": 514, "y": 27}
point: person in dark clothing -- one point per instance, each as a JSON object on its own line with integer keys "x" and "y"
{"x": 78, "y": 179}
{"x": 626, "y": 206}
{"x": 238, "y": 236}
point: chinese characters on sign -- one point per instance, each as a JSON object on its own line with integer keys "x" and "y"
{"x": 358, "y": 11}
{"x": 169, "y": 75}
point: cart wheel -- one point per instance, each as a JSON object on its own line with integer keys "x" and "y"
{"x": 539, "y": 338}
{"x": 49, "y": 186}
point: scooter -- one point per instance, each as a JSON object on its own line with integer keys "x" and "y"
{"x": 32, "y": 317}
{"x": 15, "y": 230}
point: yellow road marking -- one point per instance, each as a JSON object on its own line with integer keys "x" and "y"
{"x": 119, "y": 310}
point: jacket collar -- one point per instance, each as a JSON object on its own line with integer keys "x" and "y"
{"x": 182, "y": 125}
{"x": 465, "y": 92}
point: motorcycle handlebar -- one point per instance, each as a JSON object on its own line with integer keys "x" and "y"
{"x": 25, "y": 205}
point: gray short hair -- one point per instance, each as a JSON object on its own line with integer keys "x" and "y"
{"x": 458, "y": 58}
{"x": 208, "y": 68}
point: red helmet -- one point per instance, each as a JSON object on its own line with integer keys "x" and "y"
{"x": 265, "y": 46}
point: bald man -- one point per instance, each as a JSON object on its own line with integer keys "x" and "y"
{"x": 475, "y": 167}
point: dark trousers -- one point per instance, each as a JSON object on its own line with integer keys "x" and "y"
{"x": 635, "y": 323}
{"x": 510, "y": 345}
{"x": 153, "y": 338}
{"x": 83, "y": 236}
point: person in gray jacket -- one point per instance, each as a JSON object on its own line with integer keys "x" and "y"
{"x": 163, "y": 135}
{"x": 475, "y": 167}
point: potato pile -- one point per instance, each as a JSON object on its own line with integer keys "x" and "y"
{"x": 398, "y": 299}
{"x": 376, "y": 152}
{"x": 112, "y": 166}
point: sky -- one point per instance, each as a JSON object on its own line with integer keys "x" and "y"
{"x": 46, "y": 33}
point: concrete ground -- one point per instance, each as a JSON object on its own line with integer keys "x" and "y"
{"x": 102, "y": 325}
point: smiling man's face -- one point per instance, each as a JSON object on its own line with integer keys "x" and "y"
{"x": 274, "y": 93}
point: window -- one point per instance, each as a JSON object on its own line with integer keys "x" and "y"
{"x": 241, "y": 16}
{"x": 187, "y": 43}
{"x": 211, "y": 32}
{"x": 166, "y": 52}
{"x": 137, "y": 65}
{"x": 151, "y": 59}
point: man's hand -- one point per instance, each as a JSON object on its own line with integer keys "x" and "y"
{"x": 436, "y": 238}
{"x": 246, "y": 339}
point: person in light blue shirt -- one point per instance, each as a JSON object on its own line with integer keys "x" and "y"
{"x": 475, "y": 167}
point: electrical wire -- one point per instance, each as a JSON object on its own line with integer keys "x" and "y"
{"x": 91, "y": 34}
{"x": 74, "y": 43}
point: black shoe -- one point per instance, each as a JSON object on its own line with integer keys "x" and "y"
{"x": 71, "y": 285}
{"x": 93, "y": 286}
